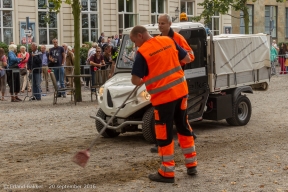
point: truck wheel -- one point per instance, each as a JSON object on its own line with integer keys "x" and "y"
{"x": 241, "y": 112}
{"x": 148, "y": 128}
{"x": 99, "y": 126}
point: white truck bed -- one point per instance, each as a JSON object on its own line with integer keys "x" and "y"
{"x": 239, "y": 60}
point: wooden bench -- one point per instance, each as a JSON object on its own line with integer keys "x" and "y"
{"x": 57, "y": 90}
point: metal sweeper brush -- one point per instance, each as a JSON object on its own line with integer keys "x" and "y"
{"x": 81, "y": 158}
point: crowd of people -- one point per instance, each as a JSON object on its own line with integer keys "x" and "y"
{"x": 281, "y": 53}
{"x": 20, "y": 70}
{"x": 102, "y": 55}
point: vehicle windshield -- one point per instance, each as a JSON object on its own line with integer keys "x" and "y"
{"x": 127, "y": 53}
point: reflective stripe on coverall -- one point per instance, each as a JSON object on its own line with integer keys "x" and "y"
{"x": 168, "y": 89}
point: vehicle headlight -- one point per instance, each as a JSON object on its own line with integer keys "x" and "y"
{"x": 101, "y": 91}
{"x": 146, "y": 95}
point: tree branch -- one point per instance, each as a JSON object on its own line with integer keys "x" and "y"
{"x": 234, "y": 16}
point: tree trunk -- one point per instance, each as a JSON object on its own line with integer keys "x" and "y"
{"x": 76, "y": 13}
{"x": 246, "y": 18}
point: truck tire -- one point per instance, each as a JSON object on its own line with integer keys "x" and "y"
{"x": 108, "y": 133}
{"x": 148, "y": 128}
{"x": 241, "y": 112}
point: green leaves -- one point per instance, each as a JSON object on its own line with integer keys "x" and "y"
{"x": 213, "y": 7}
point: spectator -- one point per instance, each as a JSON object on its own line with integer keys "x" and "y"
{"x": 96, "y": 60}
{"x": 114, "y": 53}
{"x": 35, "y": 65}
{"x": 57, "y": 56}
{"x": 45, "y": 60}
{"x": 101, "y": 37}
{"x": 282, "y": 57}
{"x": 273, "y": 58}
{"x": 69, "y": 70}
{"x": 3, "y": 80}
{"x": 286, "y": 58}
{"x": 102, "y": 43}
{"x": 117, "y": 40}
{"x": 109, "y": 39}
{"x": 13, "y": 77}
{"x": 113, "y": 41}
{"x": 65, "y": 47}
{"x": 24, "y": 80}
{"x": 274, "y": 44}
{"x": 91, "y": 52}
{"x": 107, "y": 56}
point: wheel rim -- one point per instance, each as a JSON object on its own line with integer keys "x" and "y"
{"x": 243, "y": 111}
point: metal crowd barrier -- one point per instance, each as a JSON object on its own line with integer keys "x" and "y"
{"x": 58, "y": 71}
{"x": 101, "y": 76}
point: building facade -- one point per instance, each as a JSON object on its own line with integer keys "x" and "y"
{"x": 265, "y": 16}
{"x": 109, "y": 16}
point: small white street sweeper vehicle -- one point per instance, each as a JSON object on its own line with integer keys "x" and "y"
{"x": 225, "y": 67}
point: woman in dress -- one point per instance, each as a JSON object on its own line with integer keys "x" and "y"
{"x": 23, "y": 65}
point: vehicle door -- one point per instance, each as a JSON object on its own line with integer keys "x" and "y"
{"x": 196, "y": 72}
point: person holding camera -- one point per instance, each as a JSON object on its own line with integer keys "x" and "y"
{"x": 57, "y": 57}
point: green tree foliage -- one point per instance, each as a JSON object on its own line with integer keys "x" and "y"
{"x": 76, "y": 11}
{"x": 4, "y": 46}
{"x": 222, "y": 7}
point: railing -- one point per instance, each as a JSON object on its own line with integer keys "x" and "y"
{"x": 36, "y": 77}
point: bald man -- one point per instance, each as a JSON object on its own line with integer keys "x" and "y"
{"x": 157, "y": 64}
{"x": 164, "y": 25}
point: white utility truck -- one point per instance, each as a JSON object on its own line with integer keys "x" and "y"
{"x": 225, "y": 67}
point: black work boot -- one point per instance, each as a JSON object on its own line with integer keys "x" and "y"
{"x": 159, "y": 178}
{"x": 192, "y": 171}
{"x": 154, "y": 149}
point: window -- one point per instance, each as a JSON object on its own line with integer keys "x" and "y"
{"x": 126, "y": 16}
{"x": 157, "y": 8}
{"x": 47, "y": 31}
{"x": 271, "y": 20}
{"x": 128, "y": 53}
{"x": 286, "y": 23}
{"x": 188, "y": 8}
{"x": 251, "y": 18}
{"x": 89, "y": 20}
{"x": 6, "y": 21}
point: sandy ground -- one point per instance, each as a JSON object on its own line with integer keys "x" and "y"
{"x": 38, "y": 141}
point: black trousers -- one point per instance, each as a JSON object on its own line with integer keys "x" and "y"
{"x": 165, "y": 114}
{"x": 13, "y": 81}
